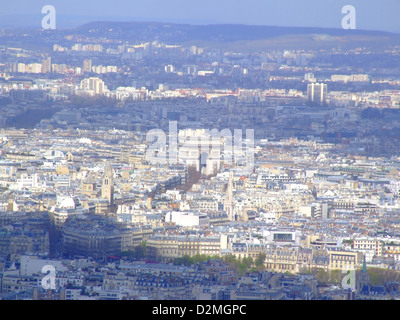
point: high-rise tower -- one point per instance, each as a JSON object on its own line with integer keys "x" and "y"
{"x": 87, "y": 65}
{"x": 46, "y": 65}
{"x": 317, "y": 93}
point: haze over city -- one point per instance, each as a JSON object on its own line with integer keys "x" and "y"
{"x": 170, "y": 151}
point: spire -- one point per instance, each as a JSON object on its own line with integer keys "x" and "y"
{"x": 228, "y": 204}
{"x": 229, "y": 192}
{"x": 108, "y": 170}
{"x": 364, "y": 281}
{"x": 364, "y": 268}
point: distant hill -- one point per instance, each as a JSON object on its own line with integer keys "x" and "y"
{"x": 216, "y": 32}
{"x": 226, "y": 36}
{"x": 236, "y": 35}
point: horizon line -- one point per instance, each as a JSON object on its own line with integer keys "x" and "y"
{"x": 177, "y": 21}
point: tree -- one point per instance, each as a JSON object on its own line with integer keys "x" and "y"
{"x": 198, "y": 258}
{"x": 138, "y": 252}
{"x": 322, "y": 276}
{"x": 242, "y": 268}
{"x": 259, "y": 262}
{"x": 98, "y": 100}
{"x": 187, "y": 260}
{"x": 233, "y": 262}
{"x": 379, "y": 276}
{"x": 248, "y": 262}
{"x": 193, "y": 177}
{"x": 336, "y": 276}
{"x": 239, "y": 266}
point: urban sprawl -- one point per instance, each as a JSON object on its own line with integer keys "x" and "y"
{"x": 296, "y": 191}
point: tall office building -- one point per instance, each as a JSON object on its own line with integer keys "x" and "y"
{"x": 93, "y": 85}
{"x": 46, "y": 65}
{"x": 87, "y": 65}
{"x": 21, "y": 67}
{"x": 317, "y": 93}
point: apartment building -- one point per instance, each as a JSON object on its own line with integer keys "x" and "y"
{"x": 344, "y": 260}
{"x": 171, "y": 247}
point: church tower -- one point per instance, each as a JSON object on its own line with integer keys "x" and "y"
{"x": 107, "y": 187}
{"x": 363, "y": 281}
{"x": 228, "y": 203}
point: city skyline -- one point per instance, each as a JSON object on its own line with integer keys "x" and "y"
{"x": 161, "y": 161}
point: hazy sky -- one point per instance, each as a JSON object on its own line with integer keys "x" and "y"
{"x": 370, "y": 14}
